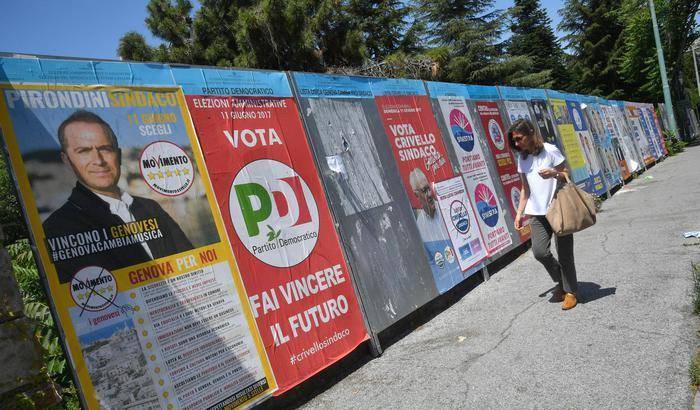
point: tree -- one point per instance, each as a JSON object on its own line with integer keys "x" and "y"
{"x": 638, "y": 62}
{"x": 532, "y": 36}
{"x": 466, "y": 40}
{"x": 382, "y": 24}
{"x": 132, "y": 46}
{"x": 593, "y": 29}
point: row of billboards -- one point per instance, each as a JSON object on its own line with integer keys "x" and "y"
{"x": 211, "y": 237}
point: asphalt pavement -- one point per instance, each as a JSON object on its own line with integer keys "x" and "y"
{"x": 628, "y": 343}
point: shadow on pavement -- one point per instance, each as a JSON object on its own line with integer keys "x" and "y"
{"x": 587, "y": 292}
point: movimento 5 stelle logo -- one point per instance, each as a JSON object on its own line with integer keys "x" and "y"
{"x": 274, "y": 213}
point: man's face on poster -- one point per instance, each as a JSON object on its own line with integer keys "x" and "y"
{"x": 92, "y": 155}
{"x": 425, "y": 196}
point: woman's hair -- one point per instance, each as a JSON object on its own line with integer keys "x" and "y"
{"x": 525, "y": 127}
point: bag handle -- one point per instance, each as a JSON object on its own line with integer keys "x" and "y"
{"x": 566, "y": 176}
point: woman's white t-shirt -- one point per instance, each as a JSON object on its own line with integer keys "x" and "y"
{"x": 541, "y": 190}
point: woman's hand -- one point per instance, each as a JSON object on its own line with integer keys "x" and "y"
{"x": 517, "y": 224}
{"x": 547, "y": 173}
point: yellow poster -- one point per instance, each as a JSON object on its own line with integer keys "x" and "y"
{"x": 133, "y": 247}
{"x": 569, "y": 140}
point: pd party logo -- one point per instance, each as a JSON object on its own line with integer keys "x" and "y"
{"x": 459, "y": 216}
{"x": 496, "y": 134}
{"x": 166, "y": 168}
{"x": 462, "y": 130}
{"x": 274, "y": 213}
{"x": 486, "y": 205}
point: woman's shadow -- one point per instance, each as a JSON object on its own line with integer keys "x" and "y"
{"x": 587, "y": 292}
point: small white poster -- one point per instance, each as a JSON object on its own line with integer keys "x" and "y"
{"x": 460, "y": 220}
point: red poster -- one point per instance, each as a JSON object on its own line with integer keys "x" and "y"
{"x": 281, "y": 232}
{"x": 505, "y": 161}
{"x": 415, "y": 139}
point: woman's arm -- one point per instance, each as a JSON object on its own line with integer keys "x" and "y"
{"x": 558, "y": 172}
{"x": 524, "y": 196}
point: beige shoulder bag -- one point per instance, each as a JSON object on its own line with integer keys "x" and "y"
{"x": 572, "y": 209}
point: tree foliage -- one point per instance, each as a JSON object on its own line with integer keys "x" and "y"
{"x": 532, "y": 36}
{"x": 593, "y": 30}
{"x": 466, "y": 37}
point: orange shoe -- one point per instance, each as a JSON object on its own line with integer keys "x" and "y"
{"x": 570, "y": 301}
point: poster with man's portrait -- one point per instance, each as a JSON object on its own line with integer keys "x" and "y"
{"x": 132, "y": 245}
{"x": 112, "y": 176}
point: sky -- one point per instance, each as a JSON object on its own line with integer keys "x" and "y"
{"x": 92, "y": 29}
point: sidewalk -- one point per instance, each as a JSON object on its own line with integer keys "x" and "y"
{"x": 504, "y": 345}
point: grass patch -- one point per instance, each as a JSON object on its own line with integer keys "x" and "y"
{"x": 695, "y": 370}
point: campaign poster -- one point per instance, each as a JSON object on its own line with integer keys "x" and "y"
{"x": 505, "y": 161}
{"x": 638, "y": 133}
{"x": 128, "y": 233}
{"x": 465, "y": 139}
{"x": 602, "y": 141}
{"x": 585, "y": 139}
{"x": 460, "y": 220}
{"x": 623, "y": 154}
{"x": 277, "y": 218}
{"x": 654, "y": 119}
{"x": 570, "y": 143}
{"x": 422, "y": 162}
{"x": 517, "y": 110}
{"x": 544, "y": 122}
{"x": 628, "y": 136}
{"x": 654, "y": 133}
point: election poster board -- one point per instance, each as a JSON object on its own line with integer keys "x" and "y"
{"x": 571, "y": 143}
{"x": 628, "y": 136}
{"x": 365, "y": 191}
{"x": 656, "y": 125}
{"x": 147, "y": 293}
{"x": 467, "y": 142}
{"x": 585, "y": 139}
{"x": 422, "y": 160}
{"x": 506, "y": 166}
{"x": 602, "y": 141}
{"x": 277, "y": 218}
{"x": 647, "y": 114}
{"x": 623, "y": 154}
{"x": 640, "y": 132}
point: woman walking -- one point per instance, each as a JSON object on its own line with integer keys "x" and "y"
{"x": 541, "y": 165}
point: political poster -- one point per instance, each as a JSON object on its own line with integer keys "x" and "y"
{"x": 374, "y": 216}
{"x": 460, "y": 220}
{"x": 585, "y": 139}
{"x": 639, "y": 132}
{"x": 420, "y": 154}
{"x": 133, "y": 247}
{"x": 277, "y": 218}
{"x": 647, "y": 114}
{"x": 623, "y": 154}
{"x": 542, "y": 115}
{"x": 467, "y": 143}
{"x": 602, "y": 141}
{"x": 505, "y": 161}
{"x": 517, "y": 110}
{"x": 658, "y": 130}
{"x": 628, "y": 135}
{"x": 571, "y": 143}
